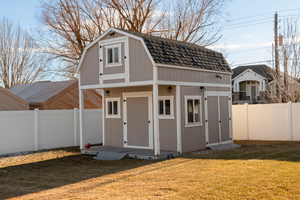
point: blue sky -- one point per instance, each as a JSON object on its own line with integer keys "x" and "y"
{"x": 247, "y": 31}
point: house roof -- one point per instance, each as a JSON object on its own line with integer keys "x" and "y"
{"x": 177, "y": 53}
{"x": 262, "y": 70}
{"x": 41, "y": 91}
{"x": 8, "y": 93}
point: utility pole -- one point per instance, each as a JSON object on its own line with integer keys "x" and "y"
{"x": 277, "y": 74}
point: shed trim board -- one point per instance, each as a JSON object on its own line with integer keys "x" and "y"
{"x": 144, "y": 83}
{"x": 103, "y": 116}
{"x": 164, "y": 116}
{"x": 178, "y": 119}
{"x": 127, "y": 95}
{"x": 113, "y": 116}
{"x": 112, "y": 42}
{"x": 206, "y": 117}
{"x": 192, "y": 97}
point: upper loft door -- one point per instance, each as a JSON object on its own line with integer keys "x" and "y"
{"x": 113, "y": 59}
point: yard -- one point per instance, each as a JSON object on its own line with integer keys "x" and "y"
{"x": 256, "y": 171}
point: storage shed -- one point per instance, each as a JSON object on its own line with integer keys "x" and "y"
{"x": 159, "y": 94}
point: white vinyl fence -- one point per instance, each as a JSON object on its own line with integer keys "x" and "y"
{"x": 46, "y": 129}
{"x": 273, "y": 122}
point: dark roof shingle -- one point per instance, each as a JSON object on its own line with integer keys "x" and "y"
{"x": 173, "y": 52}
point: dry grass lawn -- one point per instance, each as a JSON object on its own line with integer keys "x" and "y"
{"x": 256, "y": 171}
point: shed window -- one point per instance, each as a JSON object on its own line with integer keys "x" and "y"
{"x": 193, "y": 111}
{"x": 113, "y": 55}
{"x": 113, "y": 108}
{"x": 166, "y": 107}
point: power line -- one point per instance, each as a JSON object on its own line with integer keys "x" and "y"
{"x": 263, "y": 16}
{"x": 256, "y": 22}
{"x": 252, "y": 63}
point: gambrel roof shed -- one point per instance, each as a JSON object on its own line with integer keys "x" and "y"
{"x": 177, "y": 53}
{"x": 159, "y": 94}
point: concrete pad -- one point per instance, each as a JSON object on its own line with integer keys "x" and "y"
{"x": 223, "y": 147}
{"x": 109, "y": 155}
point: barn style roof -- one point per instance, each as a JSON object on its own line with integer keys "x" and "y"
{"x": 262, "y": 70}
{"x": 41, "y": 91}
{"x": 173, "y": 52}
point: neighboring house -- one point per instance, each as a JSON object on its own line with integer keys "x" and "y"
{"x": 249, "y": 83}
{"x": 160, "y": 94}
{"x": 48, "y": 95}
{"x": 9, "y": 101}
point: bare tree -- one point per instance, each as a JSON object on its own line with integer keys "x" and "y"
{"x": 20, "y": 61}
{"x": 289, "y": 52}
{"x": 193, "y": 21}
{"x": 76, "y": 23}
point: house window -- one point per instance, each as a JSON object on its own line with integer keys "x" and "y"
{"x": 166, "y": 107}
{"x": 113, "y": 108}
{"x": 193, "y": 111}
{"x": 113, "y": 55}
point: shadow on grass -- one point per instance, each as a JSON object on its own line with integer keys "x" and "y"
{"x": 280, "y": 151}
{"x": 35, "y": 177}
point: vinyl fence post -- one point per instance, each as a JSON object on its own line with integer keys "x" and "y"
{"x": 247, "y": 121}
{"x": 36, "y": 129}
{"x": 290, "y": 119}
{"x": 75, "y": 123}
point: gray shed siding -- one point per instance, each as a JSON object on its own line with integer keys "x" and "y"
{"x": 183, "y": 75}
{"x": 114, "y": 127}
{"x": 89, "y": 71}
{"x": 167, "y": 127}
{"x": 140, "y": 65}
{"x": 193, "y": 138}
{"x": 141, "y": 68}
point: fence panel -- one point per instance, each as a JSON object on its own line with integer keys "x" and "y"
{"x": 296, "y": 121}
{"x": 92, "y": 126}
{"x": 56, "y": 129}
{"x": 239, "y": 122}
{"x": 22, "y": 131}
{"x": 273, "y": 122}
{"x": 16, "y": 131}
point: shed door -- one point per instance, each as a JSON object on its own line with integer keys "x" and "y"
{"x": 219, "y": 119}
{"x": 224, "y": 118}
{"x": 213, "y": 120}
{"x": 138, "y": 122}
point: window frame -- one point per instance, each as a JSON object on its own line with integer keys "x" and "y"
{"x": 112, "y": 46}
{"x": 164, "y": 116}
{"x": 116, "y": 116}
{"x": 193, "y": 124}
